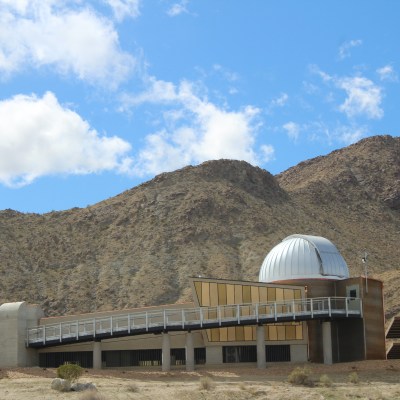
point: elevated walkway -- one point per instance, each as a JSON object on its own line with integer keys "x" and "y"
{"x": 190, "y": 319}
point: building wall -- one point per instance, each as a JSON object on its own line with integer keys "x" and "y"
{"x": 15, "y": 318}
{"x": 212, "y": 292}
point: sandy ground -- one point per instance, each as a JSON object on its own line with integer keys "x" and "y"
{"x": 377, "y": 380}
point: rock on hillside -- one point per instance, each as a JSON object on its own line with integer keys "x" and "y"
{"x": 218, "y": 219}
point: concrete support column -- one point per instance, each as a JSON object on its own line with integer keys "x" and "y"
{"x": 97, "y": 355}
{"x": 166, "y": 352}
{"x": 261, "y": 361}
{"x": 189, "y": 352}
{"x": 327, "y": 342}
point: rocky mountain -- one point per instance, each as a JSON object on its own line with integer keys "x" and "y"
{"x": 218, "y": 219}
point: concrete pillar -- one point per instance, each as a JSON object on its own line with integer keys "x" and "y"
{"x": 166, "y": 352}
{"x": 327, "y": 342}
{"x": 97, "y": 355}
{"x": 189, "y": 352}
{"x": 261, "y": 361}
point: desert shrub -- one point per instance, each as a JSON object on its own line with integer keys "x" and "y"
{"x": 91, "y": 395}
{"x": 133, "y": 388}
{"x": 300, "y": 376}
{"x": 70, "y": 372}
{"x": 324, "y": 380}
{"x": 353, "y": 377}
{"x": 206, "y": 383}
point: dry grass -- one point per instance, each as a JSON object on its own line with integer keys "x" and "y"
{"x": 325, "y": 381}
{"x": 353, "y": 378}
{"x": 206, "y": 383}
{"x": 300, "y": 376}
{"x": 378, "y": 380}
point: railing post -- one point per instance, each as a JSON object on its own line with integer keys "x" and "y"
{"x": 60, "y": 332}
{"x": 147, "y": 321}
{"x": 312, "y": 308}
{"x": 329, "y": 307}
{"x": 293, "y": 310}
{"x": 238, "y": 313}
{"x": 111, "y": 325}
{"x": 201, "y": 317}
{"x": 183, "y": 318}
{"x": 44, "y": 334}
{"x": 361, "y": 308}
{"x": 129, "y": 323}
{"x": 275, "y": 312}
{"x": 347, "y": 306}
{"x": 94, "y": 327}
{"x": 77, "y": 331}
{"x": 219, "y": 314}
{"x": 257, "y": 312}
{"x": 165, "y": 320}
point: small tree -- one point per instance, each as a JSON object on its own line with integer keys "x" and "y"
{"x": 70, "y": 372}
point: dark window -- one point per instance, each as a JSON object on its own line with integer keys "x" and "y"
{"x": 54, "y": 360}
{"x": 277, "y": 353}
{"x": 200, "y": 355}
{"x": 353, "y": 293}
{"x": 131, "y": 358}
{"x": 178, "y": 357}
{"x": 238, "y": 354}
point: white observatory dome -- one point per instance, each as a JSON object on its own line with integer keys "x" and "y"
{"x": 303, "y": 257}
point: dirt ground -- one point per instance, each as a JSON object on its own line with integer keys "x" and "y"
{"x": 377, "y": 380}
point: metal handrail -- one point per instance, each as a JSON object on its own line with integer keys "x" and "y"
{"x": 194, "y": 318}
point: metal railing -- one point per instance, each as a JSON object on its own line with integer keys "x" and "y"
{"x": 192, "y": 319}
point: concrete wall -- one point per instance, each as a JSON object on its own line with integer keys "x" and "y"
{"x": 214, "y": 355}
{"x": 298, "y": 353}
{"x": 15, "y": 318}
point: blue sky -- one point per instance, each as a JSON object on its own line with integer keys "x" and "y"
{"x": 99, "y": 96}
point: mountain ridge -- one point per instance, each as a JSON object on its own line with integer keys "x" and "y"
{"x": 218, "y": 219}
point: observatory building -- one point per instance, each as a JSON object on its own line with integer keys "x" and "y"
{"x": 304, "y": 307}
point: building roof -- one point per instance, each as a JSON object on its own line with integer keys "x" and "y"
{"x": 303, "y": 257}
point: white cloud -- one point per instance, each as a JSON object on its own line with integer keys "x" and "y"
{"x": 363, "y": 97}
{"x": 75, "y": 40}
{"x": 350, "y": 134}
{"x": 198, "y": 130}
{"x": 280, "y": 101}
{"x": 292, "y": 129}
{"x": 124, "y": 8}
{"x": 344, "y": 49}
{"x": 178, "y": 8}
{"x": 51, "y": 139}
{"x": 387, "y": 73}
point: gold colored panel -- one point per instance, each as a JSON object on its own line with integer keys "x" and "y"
{"x": 281, "y": 332}
{"x": 246, "y": 294}
{"x": 213, "y": 294}
{"x": 255, "y": 297}
{"x": 215, "y": 335}
{"x": 297, "y": 294}
{"x": 230, "y": 294}
{"x": 208, "y": 332}
{"x": 263, "y": 294}
{"x": 271, "y": 294}
{"x": 245, "y": 310}
{"x": 238, "y": 294}
{"x": 299, "y": 331}
{"x": 272, "y": 332}
{"x": 279, "y": 294}
{"x": 288, "y": 294}
{"x": 239, "y": 333}
{"x": 222, "y": 293}
{"x": 223, "y": 334}
{"x": 290, "y": 332}
{"x": 231, "y": 334}
{"x": 248, "y": 333}
{"x": 197, "y": 286}
{"x": 205, "y": 294}
{"x": 253, "y": 332}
